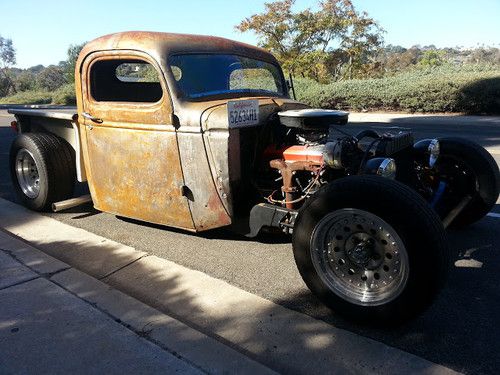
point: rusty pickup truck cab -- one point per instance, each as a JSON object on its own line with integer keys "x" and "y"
{"x": 199, "y": 132}
{"x": 147, "y": 149}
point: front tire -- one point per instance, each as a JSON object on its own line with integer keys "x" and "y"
{"x": 371, "y": 249}
{"x": 42, "y": 169}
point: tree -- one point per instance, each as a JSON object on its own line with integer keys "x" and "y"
{"x": 393, "y": 49}
{"x": 314, "y": 43}
{"x": 432, "y": 58}
{"x": 50, "y": 78}
{"x": 7, "y": 59}
{"x": 480, "y": 55}
{"x": 395, "y": 59}
{"x": 25, "y": 80}
{"x": 69, "y": 64}
{"x": 36, "y": 69}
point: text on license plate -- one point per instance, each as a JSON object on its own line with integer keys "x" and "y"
{"x": 243, "y": 113}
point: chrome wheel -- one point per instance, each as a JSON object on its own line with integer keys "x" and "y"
{"x": 359, "y": 257}
{"x": 27, "y": 173}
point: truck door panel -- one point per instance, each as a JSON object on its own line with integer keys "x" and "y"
{"x": 132, "y": 149}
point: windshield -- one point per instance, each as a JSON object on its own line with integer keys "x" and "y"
{"x": 200, "y": 75}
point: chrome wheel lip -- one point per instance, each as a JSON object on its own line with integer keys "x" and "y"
{"x": 373, "y": 284}
{"x": 27, "y": 173}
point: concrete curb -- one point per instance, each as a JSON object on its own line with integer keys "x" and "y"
{"x": 184, "y": 342}
{"x": 281, "y": 339}
{"x": 165, "y": 331}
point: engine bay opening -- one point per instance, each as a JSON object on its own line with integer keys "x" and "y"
{"x": 296, "y": 152}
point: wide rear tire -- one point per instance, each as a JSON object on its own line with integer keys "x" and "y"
{"x": 402, "y": 261}
{"x": 42, "y": 169}
{"x": 472, "y": 171}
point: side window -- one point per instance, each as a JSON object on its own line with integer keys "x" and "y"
{"x": 252, "y": 78}
{"x": 124, "y": 81}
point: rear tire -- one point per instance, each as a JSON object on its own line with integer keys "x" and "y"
{"x": 405, "y": 242}
{"x": 42, "y": 169}
{"x": 485, "y": 186}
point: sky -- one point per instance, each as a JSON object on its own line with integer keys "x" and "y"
{"x": 43, "y": 30}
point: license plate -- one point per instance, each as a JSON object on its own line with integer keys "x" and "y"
{"x": 243, "y": 113}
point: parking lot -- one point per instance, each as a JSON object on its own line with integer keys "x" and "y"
{"x": 459, "y": 331}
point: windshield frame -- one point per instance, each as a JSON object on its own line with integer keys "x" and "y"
{"x": 228, "y": 94}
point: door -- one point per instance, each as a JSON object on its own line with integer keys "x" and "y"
{"x": 132, "y": 155}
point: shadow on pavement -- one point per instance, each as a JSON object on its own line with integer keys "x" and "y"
{"x": 150, "y": 284}
{"x": 460, "y": 330}
{"x": 265, "y": 236}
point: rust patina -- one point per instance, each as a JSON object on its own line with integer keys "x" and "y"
{"x": 168, "y": 162}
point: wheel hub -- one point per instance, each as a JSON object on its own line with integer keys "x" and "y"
{"x": 27, "y": 173}
{"x": 362, "y": 249}
{"x": 359, "y": 257}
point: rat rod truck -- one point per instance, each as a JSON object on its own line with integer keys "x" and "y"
{"x": 198, "y": 132}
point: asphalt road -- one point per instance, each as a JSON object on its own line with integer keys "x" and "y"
{"x": 460, "y": 330}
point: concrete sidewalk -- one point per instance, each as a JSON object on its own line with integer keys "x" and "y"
{"x": 242, "y": 332}
{"x": 57, "y": 320}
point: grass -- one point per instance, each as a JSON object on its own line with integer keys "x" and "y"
{"x": 28, "y": 97}
{"x": 64, "y": 95}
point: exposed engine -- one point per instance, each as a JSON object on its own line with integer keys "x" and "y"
{"x": 316, "y": 138}
{"x": 322, "y": 152}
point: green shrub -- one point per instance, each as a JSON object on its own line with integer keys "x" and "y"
{"x": 470, "y": 89}
{"x": 28, "y": 97}
{"x": 64, "y": 95}
{"x": 473, "y": 89}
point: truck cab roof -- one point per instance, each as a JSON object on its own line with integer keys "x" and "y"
{"x": 160, "y": 45}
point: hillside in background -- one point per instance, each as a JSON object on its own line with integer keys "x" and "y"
{"x": 337, "y": 56}
{"x": 418, "y": 79}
